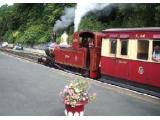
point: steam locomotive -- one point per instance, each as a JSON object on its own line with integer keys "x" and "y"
{"x": 125, "y": 54}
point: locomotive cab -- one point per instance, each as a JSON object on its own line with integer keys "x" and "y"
{"x": 90, "y": 41}
{"x": 86, "y": 39}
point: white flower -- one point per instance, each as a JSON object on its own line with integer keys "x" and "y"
{"x": 84, "y": 99}
{"x": 66, "y": 87}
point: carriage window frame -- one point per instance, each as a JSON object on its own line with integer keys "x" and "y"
{"x": 126, "y": 49}
{"x": 141, "y": 55}
{"x": 153, "y": 47}
{"x": 115, "y": 47}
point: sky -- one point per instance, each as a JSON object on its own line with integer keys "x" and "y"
{"x": 6, "y": 3}
{"x": 10, "y": 2}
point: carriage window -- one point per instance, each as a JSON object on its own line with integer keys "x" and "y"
{"x": 143, "y": 46}
{"x": 124, "y": 47}
{"x": 113, "y": 44}
{"x": 156, "y": 51}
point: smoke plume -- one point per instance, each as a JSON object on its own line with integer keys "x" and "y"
{"x": 74, "y": 15}
{"x": 83, "y": 8}
{"x": 65, "y": 20}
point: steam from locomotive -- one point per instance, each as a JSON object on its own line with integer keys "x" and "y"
{"x": 74, "y": 15}
{"x": 83, "y": 8}
{"x": 65, "y": 20}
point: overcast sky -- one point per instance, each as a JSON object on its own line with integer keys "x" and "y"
{"x": 6, "y": 3}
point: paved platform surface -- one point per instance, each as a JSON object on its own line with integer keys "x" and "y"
{"x": 31, "y": 89}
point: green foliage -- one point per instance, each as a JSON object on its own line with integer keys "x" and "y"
{"x": 33, "y": 33}
{"x": 45, "y": 38}
{"x": 29, "y": 23}
{"x": 33, "y": 23}
{"x": 122, "y": 16}
{"x": 9, "y": 37}
{"x": 91, "y": 24}
{"x": 157, "y": 15}
{"x": 19, "y": 37}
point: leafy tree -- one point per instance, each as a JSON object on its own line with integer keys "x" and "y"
{"x": 33, "y": 23}
{"x": 91, "y": 24}
{"x": 157, "y": 15}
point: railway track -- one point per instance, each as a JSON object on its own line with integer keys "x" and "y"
{"x": 132, "y": 86}
{"x": 29, "y": 56}
{"x": 144, "y": 89}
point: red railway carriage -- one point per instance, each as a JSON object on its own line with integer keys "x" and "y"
{"x": 85, "y": 53}
{"x": 132, "y": 54}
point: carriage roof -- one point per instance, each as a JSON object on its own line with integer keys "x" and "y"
{"x": 151, "y": 29}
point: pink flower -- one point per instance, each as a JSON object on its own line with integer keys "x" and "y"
{"x": 65, "y": 90}
{"x": 71, "y": 92}
{"x": 65, "y": 101}
{"x": 84, "y": 99}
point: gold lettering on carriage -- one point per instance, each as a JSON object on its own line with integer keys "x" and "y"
{"x": 140, "y": 36}
{"x": 67, "y": 56}
{"x": 140, "y": 70}
{"x": 122, "y": 61}
{"x": 76, "y": 58}
{"x": 156, "y": 36}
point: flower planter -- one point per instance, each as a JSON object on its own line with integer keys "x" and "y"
{"x": 75, "y": 96}
{"x": 78, "y": 110}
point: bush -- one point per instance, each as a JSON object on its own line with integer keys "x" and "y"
{"x": 44, "y": 39}
{"x": 9, "y": 37}
{"x": 33, "y": 33}
{"x": 19, "y": 38}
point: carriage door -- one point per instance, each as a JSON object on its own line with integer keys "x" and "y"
{"x": 121, "y": 61}
{"x": 95, "y": 54}
{"x": 110, "y": 65}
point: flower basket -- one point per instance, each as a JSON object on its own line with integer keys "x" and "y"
{"x": 75, "y": 96}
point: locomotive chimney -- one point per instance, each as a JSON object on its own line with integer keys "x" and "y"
{"x": 64, "y": 39}
{"x": 53, "y": 36}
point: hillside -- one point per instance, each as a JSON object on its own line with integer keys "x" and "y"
{"x": 33, "y": 23}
